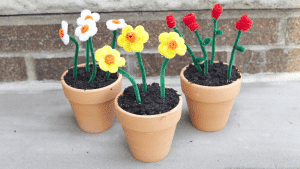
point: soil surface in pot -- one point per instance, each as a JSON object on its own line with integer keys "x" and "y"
{"x": 217, "y": 75}
{"x": 152, "y": 103}
{"x": 81, "y": 81}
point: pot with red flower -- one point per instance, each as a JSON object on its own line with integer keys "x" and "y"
{"x": 211, "y": 87}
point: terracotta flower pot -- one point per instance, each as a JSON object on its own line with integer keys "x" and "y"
{"x": 93, "y": 109}
{"x": 149, "y": 136}
{"x": 209, "y": 106}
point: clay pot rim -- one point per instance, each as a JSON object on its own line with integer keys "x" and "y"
{"x": 209, "y": 87}
{"x": 89, "y": 90}
{"x": 147, "y": 116}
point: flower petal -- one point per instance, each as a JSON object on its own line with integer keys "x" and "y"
{"x": 107, "y": 49}
{"x": 122, "y": 40}
{"x": 85, "y": 12}
{"x": 115, "y": 53}
{"x": 180, "y": 41}
{"x": 78, "y": 31}
{"x": 120, "y": 61}
{"x": 103, "y": 65}
{"x": 170, "y": 53}
{"x": 64, "y": 26}
{"x": 113, "y": 68}
{"x": 96, "y": 17}
{"x": 173, "y": 35}
{"x": 163, "y": 38}
{"x": 161, "y": 49}
{"x": 92, "y": 31}
{"x": 66, "y": 39}
{"x": 100, "y": 53}
{"x": 84, "y": 37}
{"x": 80, "y": 21}
{"x": 127, "y": 47}
{"x": 181, "y": 50}
{"x": 127, "y": 29}
{"x": 137, "y": 47}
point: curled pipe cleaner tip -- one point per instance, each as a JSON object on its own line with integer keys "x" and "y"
{"x": 188, "y": 19}
{"x": 216, "y": 11}
{"x": 193, "y": 26}
{"x": 244, "y": 23}
{"x": 171, "y": 21}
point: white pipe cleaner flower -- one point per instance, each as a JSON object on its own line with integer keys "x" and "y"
{"x": 115, "y": 24}
{"x": 87, "y": 14}
{"x": 87, "y": 30}
{"x": 63, "y": 33}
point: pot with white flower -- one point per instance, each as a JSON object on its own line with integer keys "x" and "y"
{"x": 148, "y": 115}
{"x": 210, "y": 94}
{"x": 90, "y": 91}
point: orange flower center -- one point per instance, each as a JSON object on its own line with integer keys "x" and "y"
{"x": 131, "y": 37}
{"x": 88, "y": 17}
{"x": 61, "y": 33}
{"x": 109, "y": 59}
{"x": 116, "y": 22}
{"x": 84, "y": 28}
{"x": 172, "y": 44}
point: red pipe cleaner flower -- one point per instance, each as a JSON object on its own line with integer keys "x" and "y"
{"x": 244, "y": 23}
{"x": 171, "y": 21}
{"x": 216, "y": 11}
{"x": 188, "y": 19}
{"x": 194, "y": 26}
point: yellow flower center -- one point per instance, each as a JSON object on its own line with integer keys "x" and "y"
{"x": 131, "y": 37}
{"x": 172, "y": 44}
{"x": 61, "y": 33}
{"x": 84, "y": 28}
{"x": 116, "y": 21}
{"x": 88, "y": 17}
{"x": 109, "y": 59}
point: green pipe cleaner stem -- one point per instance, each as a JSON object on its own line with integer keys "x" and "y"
{"x": 162, "y": 78}
{"x": 139, "y": 58}
{"x": 190, "y": 52}
{"x": 135, "y": 87}
{"x": 87, "y": 56}
{"x": 107, "y": 74}
{"x": 113, "y": 46}
{"x": 75, "y": 56}
{"x": 238, "y": 36}
{"x": 213, "y": 47}
{"x": 94, "y": 61}
{"x": 203, "y": 51}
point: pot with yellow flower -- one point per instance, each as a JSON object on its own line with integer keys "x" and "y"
{"x": 90, "y": 90}
{"x": 148, "y": 113}
{"x": 210, "y": 94}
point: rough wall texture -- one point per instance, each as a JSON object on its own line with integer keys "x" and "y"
{"x": 30, "y": 48}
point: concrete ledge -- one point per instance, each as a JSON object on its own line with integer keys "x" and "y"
{"x": 16, "y": 7}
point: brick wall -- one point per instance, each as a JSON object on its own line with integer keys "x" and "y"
{"x": 30, "y": 48}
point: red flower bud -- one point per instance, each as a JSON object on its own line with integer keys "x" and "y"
{"x": 216, "y": 11}
{"x": 171, "y": 21}
{"x": 244, "y": 23}
{"x": 188, "y": 19}
{"x": 194, "y": 26}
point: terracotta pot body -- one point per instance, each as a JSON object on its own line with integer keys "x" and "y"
{"x": 93, "y": 109}
{"x": 209, "y": 106}
{"x": 149, "y": 137}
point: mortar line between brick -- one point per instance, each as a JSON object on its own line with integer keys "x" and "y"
{"x": 30, "y": 66}
{"x": 282, "y": 30}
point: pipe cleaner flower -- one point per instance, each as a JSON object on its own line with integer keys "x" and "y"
{"x": 115, "y": 24}
{"x": 171, "y": 21}
{"x": 216, "y": 11}
{"x": 87, "y": 30}
{"x": 63, "y": 32}
{"x": 133, "y": 39}
{"x": 87, "y": 14}
{"x": 171, "y": 44}
{"x": 109, "y": 59}
{"x": 190, "y": 21}
{"x": 244, "y": 23}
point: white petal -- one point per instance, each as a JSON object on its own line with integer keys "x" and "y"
{"x": 84, "y": 37}
{"x": 109, "y": 22}
{"x": 122, "y": 21}
{"x": 122, "y": 25}
{"x": 66, "y": 39}
{"x": 80, "y": 21}
{"x": 78, "y": 31}
{"x": 92, "y": 31}
{"x": 64, "y": 26}
{"x": 90, "y": 22}
{"x": 112, "y": 27}
{"x": 96, "y": 17}
{"x": 85, "y": 12}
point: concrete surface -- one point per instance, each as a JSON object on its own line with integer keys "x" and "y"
{"x": 39, "y": 130}
{"x": 17, "y": 7}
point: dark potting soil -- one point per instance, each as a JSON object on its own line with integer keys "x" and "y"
{"x": 151, "y": 101}
{"x": 81, "y": 81}
{"x": 217, "y": 75}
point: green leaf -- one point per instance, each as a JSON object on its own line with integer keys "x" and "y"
{"x": 219, "y": 33}
{"x": 199, "y": 59}
{"x": 240, "y": 48}
{"x": 206, "y": 41}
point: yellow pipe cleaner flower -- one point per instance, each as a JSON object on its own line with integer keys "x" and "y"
{"x": 133, "y": 39}
{"x": 171, "y": 43}
{"x": 109, "y": 59}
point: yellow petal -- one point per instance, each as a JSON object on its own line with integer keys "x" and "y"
{"x": 115, "y": 53}
{"x": 170, "y": 53}
{"x": 113, "y": 68}
{"x": 107, "y": 49}
{"x": 141, "y": 34}
{"x": 180, "y": 41}
{"x": 137, "y": 47}
{"x": 120, "y": 61}
{"x": 100, "y": 53}
{"x": 103, "y": 65}
{"x": 126, "y": 29}
{"x": 163, "y": 38}
{"x": 127, "y": 47}
{"x": 122, "y": 40}
{"x": 173, "y": 35}
{"x": 181, "y": 50}
{"x": 161, "y": 49}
